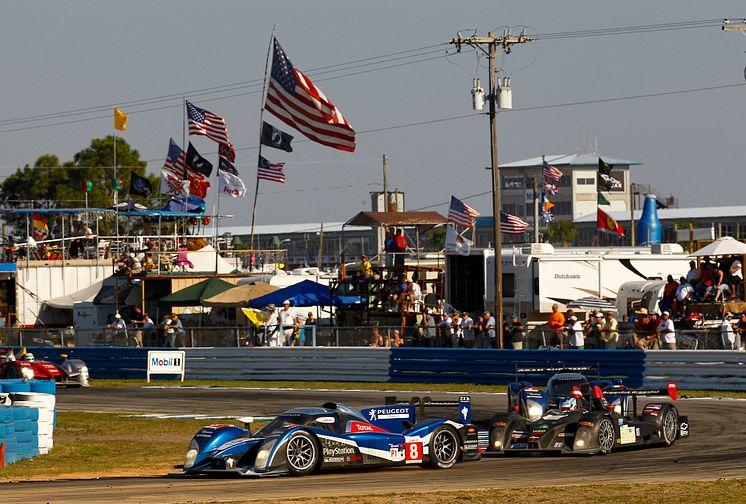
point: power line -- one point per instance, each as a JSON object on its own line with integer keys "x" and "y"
{"x": 338, "y": 67}
{"x": 255, "y": 83}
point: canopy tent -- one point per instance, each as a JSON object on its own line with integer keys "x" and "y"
{"x": 305, "y": 293}
{"x": 196, "y": 294}
{"x": 239, "y": 296}
{"x": 423, "y": 220}
{"x": 66, "y": 302}
{"x": 727, "y": 245}
{"x": 591, "y": 303}
{"x": 118, "y": 292}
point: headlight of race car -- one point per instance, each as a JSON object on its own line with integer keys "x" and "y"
{"x": 83, "y": 377}
{"x": 263, "y": 455}
{"x": 534, "y": 410}
{"x": 191, "y": 454}
{"x": 27, "y": 373}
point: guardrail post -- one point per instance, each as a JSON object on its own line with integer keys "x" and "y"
{"x": 313, "y": 333}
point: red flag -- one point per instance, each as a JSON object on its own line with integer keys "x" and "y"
{"x": 198, "y": 187}
{"x": 606, "y": 224}
{"x": 294, "y": 99}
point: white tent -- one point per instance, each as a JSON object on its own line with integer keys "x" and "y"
{"x": 66, "y": 302}
{"x": 727, "y": 245}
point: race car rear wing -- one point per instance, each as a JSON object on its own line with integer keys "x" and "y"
{"x": 670, "y": 391}
{"x": 463, "y": 404}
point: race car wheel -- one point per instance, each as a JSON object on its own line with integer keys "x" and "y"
{"x": 444, "y": 447}
{"x": 12, "y": 373}
{"x": 669, "y": 426}
{"x": 302, "y": 453}
{"x": 606, "y": 435}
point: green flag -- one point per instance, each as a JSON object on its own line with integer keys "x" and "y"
{"x": 602, "y": 199}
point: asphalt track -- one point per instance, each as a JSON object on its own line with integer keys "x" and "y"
{"x": 714, "y": 450}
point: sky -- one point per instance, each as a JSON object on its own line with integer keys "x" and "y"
{"x": 77, "y": 55}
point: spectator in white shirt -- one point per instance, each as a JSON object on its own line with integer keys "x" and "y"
{"x": 666, "y": 331}
{"x": 727, "y": 333}
{"x": 577, "y": 337}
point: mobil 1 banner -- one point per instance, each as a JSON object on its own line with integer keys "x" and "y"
{"x": 613, "y": 182}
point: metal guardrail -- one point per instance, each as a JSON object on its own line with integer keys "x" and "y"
{"x": 699, "y": 369}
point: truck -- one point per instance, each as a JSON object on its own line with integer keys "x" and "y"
{"x": 536, "y": 276}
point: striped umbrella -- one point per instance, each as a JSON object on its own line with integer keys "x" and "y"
{"x": 590, "y": 303}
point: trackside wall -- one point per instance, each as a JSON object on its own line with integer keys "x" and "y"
{"x": 692, "y": 369}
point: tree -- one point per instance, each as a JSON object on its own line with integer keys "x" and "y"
{"x": 562, "y": 231}
{"x": 50, "y": 184}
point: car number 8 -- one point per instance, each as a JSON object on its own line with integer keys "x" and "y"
{"x": 414, "y": 451}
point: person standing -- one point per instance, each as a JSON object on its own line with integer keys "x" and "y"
{"x": 163, "y": 330}
{"x": 287, "y": 321}
{"x": 666, "y": 331}
{"x": 147, "y": 329}
{"x": 577, "y": 336}
{"x": 727, "y": 333}
{"x": 177, "y": 339}
{"x": 610, "y": 332}
{"x": 467, "y": 326}
{"x": 272, "y": 326}
{"x": 118, "y": 327}
{"x": 430, "y": 330}
{"x": 516, "y": 332}
{"x": 400, "y": 243}
{"x": 136, "y": 321}
{"x": 489, "y": 330}
{"x": 389, "y": 246}
{"x": 556, "y": 325}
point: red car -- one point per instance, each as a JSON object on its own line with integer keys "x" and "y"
{"x": 71, "y": 372}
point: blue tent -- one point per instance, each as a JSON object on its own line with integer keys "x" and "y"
{"x": 305, "y": 293}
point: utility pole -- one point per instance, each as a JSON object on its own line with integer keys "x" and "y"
{"x": 536, "y": 209}
{"x": 385, "y": 183}
{"x": 491, "y": 42}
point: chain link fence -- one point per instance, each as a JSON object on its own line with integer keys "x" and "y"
{"x": 313, "y": 335}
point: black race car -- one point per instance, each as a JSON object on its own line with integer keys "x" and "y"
{"x": 587, "y": 423}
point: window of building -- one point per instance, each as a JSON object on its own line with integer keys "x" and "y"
{"x": 562, "y": 208}
{"x": 565, "y": 181}
{"x": 513, "y": 182}
{"x": 587, "y": 181}
{"x": 511, "y": 208}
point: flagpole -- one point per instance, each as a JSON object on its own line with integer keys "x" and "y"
{"x": 259, "y": 156}
{"x": 116, "y": 191}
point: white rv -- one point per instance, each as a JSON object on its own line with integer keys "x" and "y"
{"x": 536, "y": 276}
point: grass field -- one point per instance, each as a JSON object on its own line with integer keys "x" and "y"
{"x": 98, "y": 444}
{"x": 696, "y": 492}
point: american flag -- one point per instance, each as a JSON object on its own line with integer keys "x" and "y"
{"x": 270, "y": 171}
{"x": 175, "y": 157}
{"x": 510, "y": 224}
{"x": 552, "y": 174}
{"x": 460, "y": 213}
{"x": 294, "y": 99}
{"x": 204, "y": 122}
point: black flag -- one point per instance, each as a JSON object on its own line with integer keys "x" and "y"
{"x": 140, "y": 186}
{"x": 603, "y": 167}
{"x": 196, "y": 162}
{"x": 272, "y": 137}
{"x": 226, "y": 166}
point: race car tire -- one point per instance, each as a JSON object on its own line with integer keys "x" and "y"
{"x": 669, "y": 425}
{"x": 606, "y": 435}
{"x": 444, "y": 447}
{"x": 12, "y": 373}
{"x": 302, "y": 452}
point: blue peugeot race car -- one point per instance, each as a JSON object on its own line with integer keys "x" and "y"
{"x": 302, "y": 441}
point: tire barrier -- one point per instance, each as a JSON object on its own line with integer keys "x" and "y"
{"x": 27, "y": 416}
{"x": 693, "y": 369}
